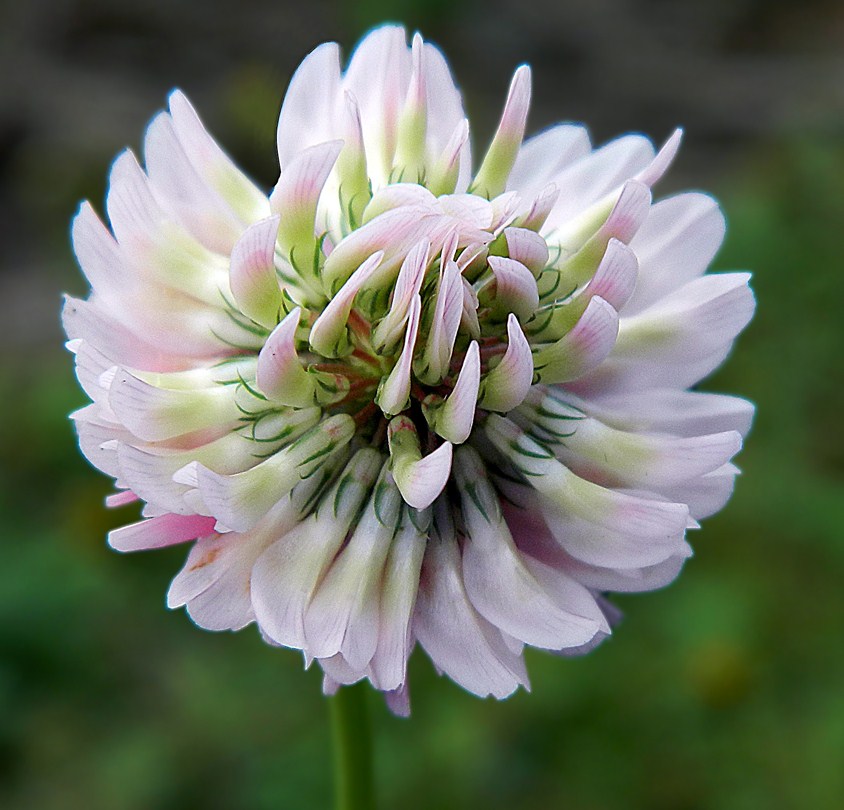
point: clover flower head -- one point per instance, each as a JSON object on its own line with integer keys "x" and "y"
{"x": 399, "y": 401}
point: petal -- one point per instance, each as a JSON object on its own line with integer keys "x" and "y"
{"x": 394, "y": 389}
{"x": 239, "y": 501}
{"x": 453, "y": 418}
{"x": 253, "y": 279}
{"x": 675, "y": 244}
{"x": 459, "y": 641}
{"x": 501, "y": 587}
{"x": 155, "y": 414}
{"x": 419, "y": 479}
{"x": 545, "y": 155}
{"x": 398, "y": 598}
{"x": 213, "y": 164}
{"x": 343, "y": 615}
{"x": 500, "y": 158}
{"x": 582, "y": 349}
{"x": 309, "y": 112}
{"x": 507, "y": 384}
{"x": 159, "y": 532}
{"x": 594, "y": 524}
{"x": 280, "y": 373}
{"x": 287, "y": 573}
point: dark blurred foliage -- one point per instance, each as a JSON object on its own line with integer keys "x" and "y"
{"x": 724, "y": 692}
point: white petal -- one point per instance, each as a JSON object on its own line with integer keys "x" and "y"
{"x": 287, "y": 573}
{"x": 499, "y": 584}
{"x": 214, "y": 165}
{"x": 309, "y": 112}
{"x": 594, "y": 524}
{"x": 545, "y": 155}
{"x": 398, "y": 598}
{"x": 494, "y": 172}
{"x": 343, "y": 615}
{"x": 675, "y": 244}
{"x": 241, "y": 500}
{"x": 394, "y": 389}
{"x": 459, "y": 641}
{"x": 155, "y": 414}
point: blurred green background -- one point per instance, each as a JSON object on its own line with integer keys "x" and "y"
{"x": 723, "y": 692}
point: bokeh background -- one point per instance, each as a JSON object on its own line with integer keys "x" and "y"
{"x": 723, "y": 692}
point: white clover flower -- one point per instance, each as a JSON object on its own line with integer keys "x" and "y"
{"x": 396, "y": 401}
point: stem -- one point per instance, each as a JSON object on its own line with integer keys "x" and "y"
{"x": 352, "y": 748}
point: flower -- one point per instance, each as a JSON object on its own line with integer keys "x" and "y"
{"x": 396, "y": 402}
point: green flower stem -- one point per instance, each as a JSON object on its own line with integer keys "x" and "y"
{"x": 352, "y": 748}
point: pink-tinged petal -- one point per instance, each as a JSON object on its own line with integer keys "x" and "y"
{"x": 492, "y": 177}
{"x": 540, "y": 209}
{"x": 545, "y": 155}
{"x": 378, "y": 75}
{"x": 328, "y": 335}
{"x": 434, "y": 362}
{"x": 445, "y": 113}
{"x": 597, "y": 525}
{"x": 528, "y": 247}
{"x": 309, "y": 112}
{"x": 286, "y": 575}
{"x": 515, "y": 288}
{"x": 159, "y": 532}
{"x": 154, "y": 248}
{"x": 395, "y": 232}
{"x": 587, "y": 238}
{"x": 449, "y": 166}
{"x": 252, "y": 277}
{"x": 675, "y": 244}
{"x": 343, "y": 615}
{"x": 239, "y": 501}
{"x": 460, "y": 642}
{"x": 155, "y": 414}
{"x": 213, "y": 164}
{"x": 499, "y": 584}
{"x": 616, "y": 276}
{"x": 507, "y": 384}
{"x": 295, "y": 197}
{"x": 122, "y": 498}
{"x": 280, "y": 373}
{"x": 352, "y": 177}
{"x": 468, "y": 209}
{"x": 420, "y": 479}
{"x": 388, "y": 332}
{"x": 198, "y": 206}
{"x": 582, "y": 349}
{"x": 97, "y": 251}
{"x": 398, "y": 598}
{"x": 394, "y": 389}
{"x": 453, "y": 418}
{"x": 398, "y": 195}
{"x": 654, "y": 172}
{"x": 469, "y": 316}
